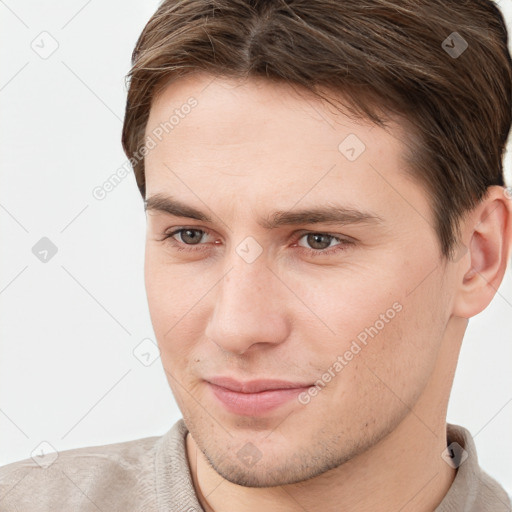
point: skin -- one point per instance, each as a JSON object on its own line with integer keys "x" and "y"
{"x": 372, "y": 438}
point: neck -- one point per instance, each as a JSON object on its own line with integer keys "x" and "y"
{"x": 404, "y": 471}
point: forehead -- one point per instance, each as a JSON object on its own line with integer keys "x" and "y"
{"x": 255, "y": 138}
{"x": 254, "y": 110}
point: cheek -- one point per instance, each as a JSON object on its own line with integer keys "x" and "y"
{"x": 398, "y": 360}
{"x": 344, "y": 304}
{"x": 172, "y": 288}
{"x": 376, "y": 330}
{"x": 174, "y": 296}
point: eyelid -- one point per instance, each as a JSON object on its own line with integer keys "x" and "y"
{"x": 344, "y": 238}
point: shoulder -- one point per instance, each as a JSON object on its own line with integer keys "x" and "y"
{"x": 108, "y": 477}
{"x": 472, "y": 489}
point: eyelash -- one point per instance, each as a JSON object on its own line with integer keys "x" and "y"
{"x": 311, "y": 252}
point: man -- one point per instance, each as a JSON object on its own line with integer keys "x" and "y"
{"x": 323, "y": 185}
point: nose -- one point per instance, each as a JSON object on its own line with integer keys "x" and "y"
{"x": 250, "y": 309}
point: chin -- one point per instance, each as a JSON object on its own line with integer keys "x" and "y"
{"x": 279, "y": 468}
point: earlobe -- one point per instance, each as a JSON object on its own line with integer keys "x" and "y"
{"x": 488, "y": 234}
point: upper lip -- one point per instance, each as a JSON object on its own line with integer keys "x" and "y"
{"x": 255, "y": 386}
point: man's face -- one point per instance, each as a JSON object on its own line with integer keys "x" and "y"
{"x": 358, "y": 306}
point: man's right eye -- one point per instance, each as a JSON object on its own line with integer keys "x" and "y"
{"x": 190, "y": 237}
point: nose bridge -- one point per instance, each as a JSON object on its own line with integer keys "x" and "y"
{"x": 246, "y": 308}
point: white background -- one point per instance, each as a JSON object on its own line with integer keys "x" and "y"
{"x": 68, "y": 375}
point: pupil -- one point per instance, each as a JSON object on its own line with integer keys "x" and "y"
{"x": 315, "y": 239}
{"x": 187, "y": 234}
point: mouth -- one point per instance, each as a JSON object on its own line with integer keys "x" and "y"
{"x": 256, "y": 397}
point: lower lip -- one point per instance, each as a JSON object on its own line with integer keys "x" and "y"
{"x": 253, "y": 404}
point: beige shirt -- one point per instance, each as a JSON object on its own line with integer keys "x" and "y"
{"x": 152, "y": 474}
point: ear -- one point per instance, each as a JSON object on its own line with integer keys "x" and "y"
{"x": 487, "y": 234}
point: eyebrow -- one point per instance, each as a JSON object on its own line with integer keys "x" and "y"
{"x": 317, "y": 215}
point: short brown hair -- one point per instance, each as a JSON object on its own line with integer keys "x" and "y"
{"x": 383, "y": 56}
